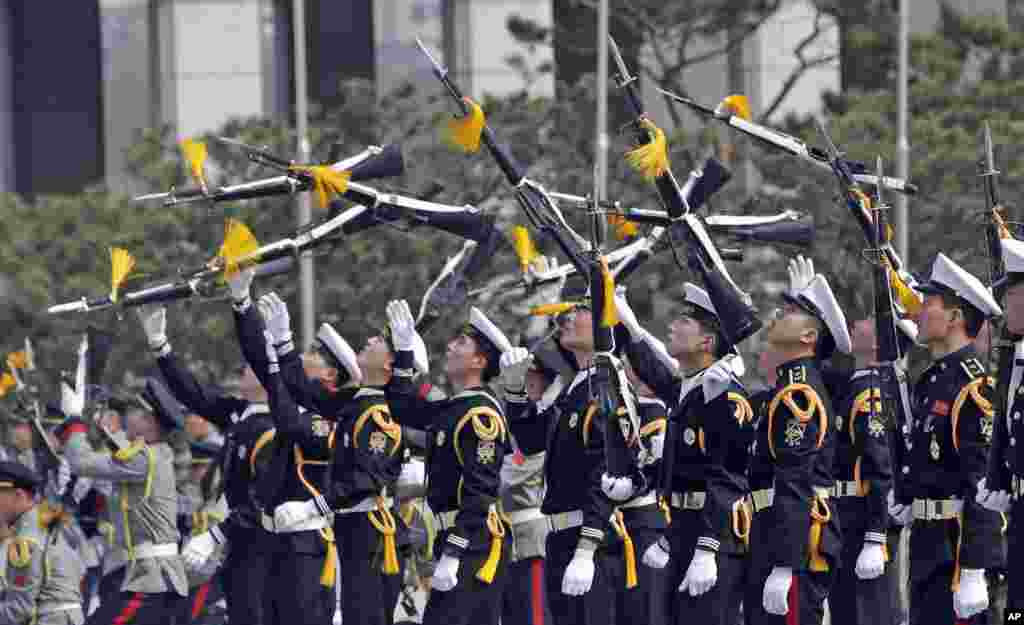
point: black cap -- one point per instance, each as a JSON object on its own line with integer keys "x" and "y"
{"x": 157, "y": 399}
{"x": 17, "y": 475}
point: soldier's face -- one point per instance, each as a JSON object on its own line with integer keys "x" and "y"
{"x": 863, "y": 338}
{"x": 248, "y": 383}
{"x": 578, "y": 331}
{"x": 767, "y": 361}
{"x": 375, "y": 355}
{"x": 686, "y": 336}
{"x": 22, "y": 436}
{"x": 462, "y": 356}
{"x": 13, "y": 501}
{"x": 316, "y": 368}
{"x": 1015, "y": 308}
{"x": 935, "y": 321}
{"x": 139, "y": 424}
{"x": 536, "y": 383}
{"x": 791, "y": 328}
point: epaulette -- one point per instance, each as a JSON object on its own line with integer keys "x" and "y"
{"x": 972, "y": 390}
{"x": 487, "y": 433}
{"x": 743, "y": 412}
{"x": 863, "y": 404}
{"x": 19, "y": 552}
{"x": 654, "y": 427}
{"x": 389, "y": 429}
{"x": 261, "y": 442}
{"x": 973, "y": 368}
{"x": 814, "y": 406}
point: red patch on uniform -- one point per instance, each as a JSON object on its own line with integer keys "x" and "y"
{"x": 518, "y": 457}
{"x": 20, "y": 581}
{"x": 941, "y": 408}
{"x": 425, "y": 390}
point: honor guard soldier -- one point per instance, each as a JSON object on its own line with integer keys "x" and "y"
{"x": 863, "y": 588}
{"x": 580, "y": 565}
{"x": 154, "y": 583}
{"x": 467, "y": 439}
{"x": 703, "y": 482}
{"x": 205, "y": 584}
{"x": 953, "y": 539}
{"x": 795, "y": 540}
{"x": 245, "y": 422}
{"x": 43, "y": 573}
{"x": 1003, "y": 488}
{"x": 368, "y": 450}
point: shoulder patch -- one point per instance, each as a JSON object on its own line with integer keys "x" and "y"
{"x": 868, "y": 400}
{"x": 19, "y": 552}
{"x": 797, "y": 375}
{"x": 741, "y": 410}
{"x": 973, "y": 391}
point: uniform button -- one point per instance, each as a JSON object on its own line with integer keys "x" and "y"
{"x": 910, "y": 445}
{"x": 932, "y": 379}
{"x": 942, "y": 366}
{"x": 1016, "y": 416}
{"x": 906, "y": 429}
{"x": 906, "y": 470}
{"x": 1013, "y": 441}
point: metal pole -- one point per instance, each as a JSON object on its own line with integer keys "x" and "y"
{"x": 303, "y": 208}
{"x": 600, "y": 224}
{"x": 903, "y": 145}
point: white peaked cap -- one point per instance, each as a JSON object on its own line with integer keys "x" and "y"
{"x": 489, "y": 331}
{"x": 819, "y": 294}
{"x": 1013, "y": 255}
{"x": 699, "y": 297}
{"x": 948, "y": 277}
{"x": 340, "y": 350}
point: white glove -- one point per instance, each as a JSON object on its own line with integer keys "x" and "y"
{"x": 268, "y": 346}
{"x": 239, "y": 283}
{"x": 871, "y": 561}
{"x": 514, "y": 365}
{"x": 617, "y": 488}
{"x": 446, "y": 574}
{"x": 81, "y": 489}
{"x": 63, "y": 477}
{"x": 294, "y": 512}
{"x": 776, "y": 591}
{"x": 657, "y": 555}
{"x": 579, "y": 575}
{"x": 994, "y": 500}
{"x": 402, "y": 324}
{"x": 899, "y": 512}
{"x": 801, "y": 272}
{"x": 276, "y": 320}
{"x": 972, "y": 598}
{"x": 627, "y": 316}
{"x": 154, "y": 324}
{"x": 198, "y": 550}
{"x": 72, "y": 401}
{"x": 702, "y": 573}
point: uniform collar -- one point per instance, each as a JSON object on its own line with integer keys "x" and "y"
{"x": 793, "y": 365}
{"x": 369, "y": 391}
{"x": 953, "y": 359}
{"x": 251, "y": 409}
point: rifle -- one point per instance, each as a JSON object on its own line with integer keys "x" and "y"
{"x": 790, "y": 144}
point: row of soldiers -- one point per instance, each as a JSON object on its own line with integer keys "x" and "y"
{"x": 774, "y": 501}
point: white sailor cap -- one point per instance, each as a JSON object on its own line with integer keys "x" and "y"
{"x": 338, "y": 352}
{"x": 817, "y": 298}
{"x": 697, "y": 296}
{"x": 1013, "y": 256}
{"x": 490, "y": 338}
{"x": 949, "y": 278}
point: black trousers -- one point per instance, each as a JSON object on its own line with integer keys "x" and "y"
{"x": 244, "y": 576}
{"x": 1015, "y": 564}
{"x": 138, "y": 608}
{"x": 644, "y": 603}
{"x": 368, "y": 595}
{"x": 855, "y": 601}
{"x": 472, "y": 601}
{"x": 721, "y": 604}
{"x": 596, "y": 607}
{"x": 293, "y": 583}
{"x": 524, "y": 597}
{"x": 198, "y": 608}
{"x": 931, "y": 600}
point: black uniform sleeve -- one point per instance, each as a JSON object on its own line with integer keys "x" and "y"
{"x": 481, "y": 440}
{"x": 528, "y": 426}
{"x": 869, "y": 431}
{"x": 972, "y": 422}
{"x": 797, "y": 422}
{"x": 202, "y": 401}
{"x": 997, "y": 475}
{"x": 408, "y": 400}
{"x": 249, "y": 328}
{"x": 725, "y": 420}
{"x": 599, "y": 507}
{"x": 308, "y": 393}
{"x": 653, "y": 372}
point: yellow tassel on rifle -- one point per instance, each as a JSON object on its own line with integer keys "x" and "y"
{"x": 610, "y": 314}
{"x": 121, "y": 264}
{"x": 627, "y": 547}
{"x": 525, "y": 249}
{"x": 624, "y": 228}
{"x": 463, "y": 133}
{"x": 239, "y": 245}
{"x": 17, "y": 360}
{"x": 738, "y": 105}
{"x": 331, "y": 561}
{"x": 385, "y": 524}
{"x": 326, "y": 181}
{"x": 1000, "y": 221}
{"x": 650, "y": 159}
{"x": 552, "y": 309}
{"x": 195, "y": 154}
{"x": 818, "y": 521}
{"x": 7, "y": 382}
{"x": 497, "y": 528}
{"x": 909, "y": 299}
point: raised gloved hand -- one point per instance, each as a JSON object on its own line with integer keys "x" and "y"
{"x": 579, "y": 575}
{"x": 776, "y": 591}
{"x": 899, "y": 512}
{"x": 199, "y": 549}
{"x": 972, "y": 597}
{"x": 514, "y": 365}
{"x": 402, "y": 324}
{"x": 268, "y": 345}
{"x": 702, "y": 574}
{"x": 627, "y": 316}
{"x": 871, "y": 561}
{"x": 617, "y": 488}
{"x": 277, "y": 321}
{"x": 154, "y": 325}
{"x": 62, "y": 477}
{"x": 994, "y": 500}
{"x": 72, "y": 401}
{"x": 239, "y": 283}
{"x": 446, "y": 574}
{"x": 658, "y": 554}
{"x": 801, "y": 272}
{"x": 294, "y": 512}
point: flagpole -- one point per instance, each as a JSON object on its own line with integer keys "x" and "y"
{"x": 600, "y": 224}
{"x": 903, "y": 145}
{"x": 303, "y": 208}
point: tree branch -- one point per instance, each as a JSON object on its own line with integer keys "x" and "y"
{"x": 804, "y": 65}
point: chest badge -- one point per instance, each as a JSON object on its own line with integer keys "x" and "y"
{"x": 986, "y": 429}
{"x": 440, "y": 438}
{"x": 378, "y": 442}
{"x": 689, "y": 436}
{"x": 839, "y": 423}
{"x": 875, "y": 427}
{"x": 934, "y": 449}
{"x": 321, "y": 428}
{"x": 574, "y": 418}
{"x": 485, "y": 452}
{"x": 794, "y": 432}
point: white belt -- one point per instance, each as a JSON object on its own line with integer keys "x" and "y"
{"x": 1016, "y": 486}
{"x": 639, "y": 502}
{"x": 689, "y": 500}
{"x": 763, "y": 498}
{"x": 163, "y": 550}
{"x": 936, "y": 509}
{"x": 846, "y": 489}
{"x": 523, "y": 516}
{"x": 447, "y": 519}
{"x": 566, "y": 520}
{"x": 59, "y": 607}
{"x": 366, "y": 505}
{"x": 316, "y": 523}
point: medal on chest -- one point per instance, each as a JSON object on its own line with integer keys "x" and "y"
{"x": 378, "y": 442}
{"x": 440, "y": 438}
{"x": 689, "y": 436}
{"x": 934, "y": 448}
